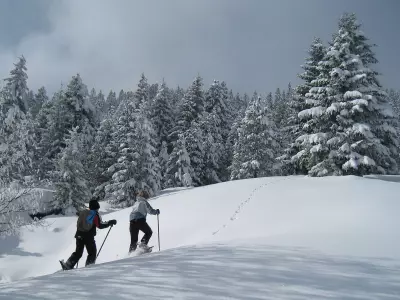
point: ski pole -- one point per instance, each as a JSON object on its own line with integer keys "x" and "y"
{"x": 158, "y": 230}
{"x": 103, "y": 242}
{"x": 77, "y": 263}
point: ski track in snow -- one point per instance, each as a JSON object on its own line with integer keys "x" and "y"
{"x": 242, "y": 204}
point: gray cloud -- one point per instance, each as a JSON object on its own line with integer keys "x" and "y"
{"x": 252, "y": 45}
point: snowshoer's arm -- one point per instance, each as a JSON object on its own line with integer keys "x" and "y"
{"x": 151, "y": 210}
{"x": 101, "y": 225}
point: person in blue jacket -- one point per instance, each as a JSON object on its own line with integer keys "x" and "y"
{"x": 88, "y": 221}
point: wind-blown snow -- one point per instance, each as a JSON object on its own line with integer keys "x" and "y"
{"x": 267, "y": 238}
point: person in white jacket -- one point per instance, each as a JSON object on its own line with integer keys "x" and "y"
{"x": 137, "y": 220}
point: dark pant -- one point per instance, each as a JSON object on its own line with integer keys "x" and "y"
{"x": 91, "y": 249}
{"x": 134, "y": 228}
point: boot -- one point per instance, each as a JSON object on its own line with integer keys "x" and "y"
{"x": 132, "y": 248}
{"x": 66, "y": 265}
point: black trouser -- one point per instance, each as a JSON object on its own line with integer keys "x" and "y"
{"x": 81, "y": 242}
{"x": 135, "y": 226}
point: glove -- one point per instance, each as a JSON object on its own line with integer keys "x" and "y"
{"x": 112, "y": 222}
{"x": 157, "y": 211}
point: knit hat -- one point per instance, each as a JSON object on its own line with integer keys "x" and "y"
{"x": 94, "y": 204}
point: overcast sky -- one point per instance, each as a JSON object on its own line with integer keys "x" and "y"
{"x": 251, "y": 44}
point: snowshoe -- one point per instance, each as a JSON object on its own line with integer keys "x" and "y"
{"x": 143, "y": 248}
{"x": 64, "y": 266}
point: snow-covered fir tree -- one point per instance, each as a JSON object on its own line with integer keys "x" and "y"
{"x": 269, "y": 101}
{"x": 256, "y": 147}
{"x": 349, "y": 126}
{"x": 214, "y": 150}
{"x": 191, "y": 107}
{"x": 216, "y": 127}
{"x": 111, "y": 105}
{"x": 233, "y": 137}
{"x": 98, "y": 102}
{"x": 137, "y": 162}
{"x": 299, "y": 126}
{"x": 195, "y": 146}
{"x": 216, "y": 104}
{"x": 39, "y": 99}
{"x": 122, "y": 172}
{"x": 148, "y": 167}
{"x": 176, "y": 98}
{"x": 153, "y": 91}
{"x": 76, "y": 100}
{"x": 72, "y": 191}
{"x": 141, "y": 95}
{"x": 179, "y": 166}
{"x": 102, "y": 156}
{"x": 58, "y": 125}
{"x": 162, "y": 114}
{"x": 16, "y": 85}
{"x": 44, "y": 128}
{"x": 16, "y": 132}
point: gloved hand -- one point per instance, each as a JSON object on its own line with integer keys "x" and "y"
{"x": 157, "y": 211}
{"x": 112, "y": 222}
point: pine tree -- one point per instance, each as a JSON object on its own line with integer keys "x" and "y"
{"x": 102, "y": 156}
{"x": 149, "y": 170}
{"x": 177, "y": 97}
{"x": 142, "y": 93}
{"x": 215, "y": 126}
{"x": 97, "y": 100}
{"x": 16, "y": 143}
{"x": 121, "y": 96}
{"x": 280, "y": 108}
{"x": 72, "y": 190}
{"x": 269, "y": 101}
{"x": 178, "y": 167}
{"x": 76, "y": 101}
{"x": 191, "y": 107}
{"x": 39, "y": 99}
{"x": 153, "y": 91}
{"x": 232, "y": 138}
{"x": 59, "y": 125}
{"x": 111, "y": 105}
{"x": 351, "y": 125}
{"x": 256, "y": 146}
{"x": 298, "y": 126}
{"x": 137, "y": 163}
{"x": 43, "y": 159}
{"x": 101, "y": 104}
{"x": 213, "y": 148}
{"x": 162, "y": 115}
{"x": 216, "y": 104}
{"x": 123, "y": 171}
{"x": 16, "y": 85}
{"x": 194, "y": 143}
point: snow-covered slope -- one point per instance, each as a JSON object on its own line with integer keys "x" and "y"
{"x": 268, "y": 238}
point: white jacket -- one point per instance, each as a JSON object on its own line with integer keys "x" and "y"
{"x": 140, "y": 209}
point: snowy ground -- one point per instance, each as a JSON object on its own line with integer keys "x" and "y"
{"x": 268, "y": 238}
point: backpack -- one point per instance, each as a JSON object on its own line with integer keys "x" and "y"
{"x": 85, "y": 220}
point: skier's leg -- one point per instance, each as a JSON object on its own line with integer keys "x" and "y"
{"x": 91, "y": 249}
{"x": 134, "y": 231}
{"x": 77, "y": 254}
{"x": 147, "y": 232}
